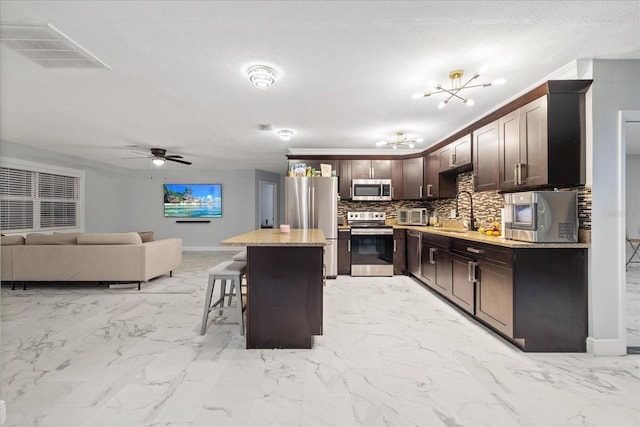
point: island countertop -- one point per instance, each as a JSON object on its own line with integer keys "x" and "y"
{"x": 273, "y": 237}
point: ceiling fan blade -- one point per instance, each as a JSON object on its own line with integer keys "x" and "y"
{"x": 139, "y": 157}
{"x": 176, "y": 160}
{"x": 173, "y": 156}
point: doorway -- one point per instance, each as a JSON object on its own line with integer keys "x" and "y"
{"x": 268, "y": 200}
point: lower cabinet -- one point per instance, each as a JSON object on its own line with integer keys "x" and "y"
{"x": 399, "y": 250}
{"x": 535, "y": 297}
{"x": 463, "y": 282}
{"x": 344, "y": 251}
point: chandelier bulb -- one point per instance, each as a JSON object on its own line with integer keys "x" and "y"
{"x": 498, "y": 82}
{"x": 418, "y": 95}
{"x": 442, "y": 104}
{"x": 469, "y": 102}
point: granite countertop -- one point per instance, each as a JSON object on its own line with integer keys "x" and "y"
{"x": 273, "y": 237}
{"x": 475, "y": 236}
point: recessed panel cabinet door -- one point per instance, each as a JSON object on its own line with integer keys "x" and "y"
{"x": 462, "y": 288}
{"x": 486, "y": 148}
{"x": 533, "y": 142}
{"x": 510, "y": 160}
{"x": 412, "y": 171}
{"x": 494, "y": 297}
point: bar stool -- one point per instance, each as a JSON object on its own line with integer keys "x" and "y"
{"x": 227, "y": 270}
{"x": 635, "y": 245}
{"x": 240, "y": 256}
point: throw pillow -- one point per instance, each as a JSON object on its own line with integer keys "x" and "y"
{"x": 146, "y": 236}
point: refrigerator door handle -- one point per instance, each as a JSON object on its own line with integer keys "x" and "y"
{"x": 313, "y": 209}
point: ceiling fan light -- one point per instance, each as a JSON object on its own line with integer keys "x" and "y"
{"x": 158, "y": 161}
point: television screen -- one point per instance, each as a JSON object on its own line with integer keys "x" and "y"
{"x": 193, "y": 200}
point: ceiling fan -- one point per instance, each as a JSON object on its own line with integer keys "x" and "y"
{"x": 159, "y": 156}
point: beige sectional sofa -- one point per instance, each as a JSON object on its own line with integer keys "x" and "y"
{"x": 85, "y": 257}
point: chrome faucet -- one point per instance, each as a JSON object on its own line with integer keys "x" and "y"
{"x": 472, "y": 225}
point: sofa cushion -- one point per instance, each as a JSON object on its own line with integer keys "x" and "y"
{"x": 12, "y": 240}
{"x": 110, "y": 239}
{"x": 50, "y": 239}
{"x": 146, "y": 236}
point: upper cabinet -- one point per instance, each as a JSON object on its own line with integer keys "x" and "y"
{"x": 412, "y": 178}
{"x": 486, "y": 153}
{"x": 456, "y": 154}
{"x": 540, "y": 144}
{"x": 370, "y": 169}
{"x": 396, "y": 179}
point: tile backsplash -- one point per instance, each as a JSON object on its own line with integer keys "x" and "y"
{"x": 486, "y": 204}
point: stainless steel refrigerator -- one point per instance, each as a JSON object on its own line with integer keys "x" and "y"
{"x": 313, "y": 203}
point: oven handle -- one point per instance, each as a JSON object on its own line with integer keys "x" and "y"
{"x": 372, "y": 232}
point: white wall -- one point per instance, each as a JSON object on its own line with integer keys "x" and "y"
{"x": 616, "y": 87}
{"x": 238, "y": 206}
{"x": 633, "y": 196}
{"x": 108, "y": 199}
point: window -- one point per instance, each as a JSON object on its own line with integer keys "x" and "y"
{"x": 37, "y": 197}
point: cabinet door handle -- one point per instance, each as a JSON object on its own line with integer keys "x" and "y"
{"x": 392, "y": 192}
{"x": 432, "y": 253}
{"x": 475, "y": 251}
{"x": 349, "y": 246}
{"x": 371, "y": 173}
{"x": 520, "y": 173}
{"x": 429, "y": 190}
{"x": 421, "y": 191}
{"x": 452, "y": 160}
{"x": 395, "y": 246}
{"x": 471, "y": 270}
{"x": 515, "y": 174}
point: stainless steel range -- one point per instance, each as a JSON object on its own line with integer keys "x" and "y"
{"x": 371, "y": 244}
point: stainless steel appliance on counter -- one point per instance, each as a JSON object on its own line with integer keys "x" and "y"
{"x": 416, "y": 216}
{"x": 541, "y": 216}
{"x": 313, "y": 203}
{"x": 371, "y": 190}
{"x": 371, "y": 244}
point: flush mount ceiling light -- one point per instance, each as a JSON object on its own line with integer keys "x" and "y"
{"x": 262, "y": 76}
{"x": 456, "y": 87}
{"x": 285, "y": 134}
{"x": 401, "y": 141}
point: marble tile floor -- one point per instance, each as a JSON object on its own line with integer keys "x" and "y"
{"x": 393, "y": 354}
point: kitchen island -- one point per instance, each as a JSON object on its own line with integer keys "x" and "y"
{"x": 284, "y": 286}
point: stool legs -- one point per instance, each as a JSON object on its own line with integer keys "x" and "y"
{"x": 235, "y": 288}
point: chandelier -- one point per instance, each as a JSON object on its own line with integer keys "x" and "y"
{"x": 456, "y": 87}
{"x": 401, "y": 141}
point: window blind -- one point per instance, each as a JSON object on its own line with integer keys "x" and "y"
{"x": 33, "y": 200}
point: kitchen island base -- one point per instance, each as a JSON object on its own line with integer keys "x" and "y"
{"x": 284, "y": 302}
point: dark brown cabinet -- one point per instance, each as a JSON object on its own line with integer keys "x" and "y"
{"x": 399, "y": 250}
{"x": 344, "y": 180}
{"x": 494, "y": 297}
{"x": 370, "y": 169}
{"x": 432, "y": 175}
{"x": 486, "y": 155}
{"x": 523, "y": 147}
{"x": 396, "y": 179}
{"x": 412, "y": 178}
{"x": 456, "y": 154}
{"x": 344, "y": 251}
{"x": 436, "y": 263}
{"x": 463, "y": 282}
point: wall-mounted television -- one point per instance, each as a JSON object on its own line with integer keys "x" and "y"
{"x": 192, "y": 200}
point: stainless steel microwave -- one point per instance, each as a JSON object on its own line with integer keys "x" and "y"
{"x": 416, "y": 216}
{"x": 542, "y": 216}
{"x": 371, "y": 189}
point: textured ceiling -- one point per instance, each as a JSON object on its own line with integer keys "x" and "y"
{"x": 347, "y": 72}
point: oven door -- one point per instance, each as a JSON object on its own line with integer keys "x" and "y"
{"x": 372, "y": 252}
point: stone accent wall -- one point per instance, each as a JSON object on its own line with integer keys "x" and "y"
{"x": 486, "y": 204}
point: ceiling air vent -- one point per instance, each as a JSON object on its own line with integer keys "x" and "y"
{"x": 47, "y": 46}
{"x": 265, "y": 127}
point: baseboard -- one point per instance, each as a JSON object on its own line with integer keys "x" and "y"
{"x": 606, "y": 347}
{"x": 211, "y": 248}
